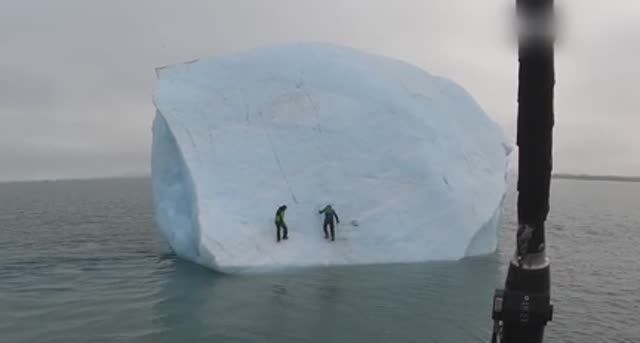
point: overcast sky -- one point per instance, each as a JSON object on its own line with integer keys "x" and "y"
{"x": 76, "y": 75}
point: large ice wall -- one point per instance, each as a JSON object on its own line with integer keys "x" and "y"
{"x": 413, "y": 166}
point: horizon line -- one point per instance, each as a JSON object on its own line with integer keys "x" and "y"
{"x": 559, "y": 175}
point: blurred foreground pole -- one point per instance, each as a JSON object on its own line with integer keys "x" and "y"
{"x": 522, "y": 309}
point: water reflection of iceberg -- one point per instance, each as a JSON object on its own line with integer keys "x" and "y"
{"x": 433, "y": 302}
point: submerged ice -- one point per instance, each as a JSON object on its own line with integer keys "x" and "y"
{"x": 414, "y": 167}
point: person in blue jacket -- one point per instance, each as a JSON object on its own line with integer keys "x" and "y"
{"x": 329, "y": 214}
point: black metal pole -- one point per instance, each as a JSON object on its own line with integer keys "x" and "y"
{"x": 522, "y": 309}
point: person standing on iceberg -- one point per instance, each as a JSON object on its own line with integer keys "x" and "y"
{"x": 280, "y": 224}
{"x": 329, "y": 214}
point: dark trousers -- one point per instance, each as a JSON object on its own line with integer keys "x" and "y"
{"x": 331, "y": 226}
{"x": 283, "y": 226}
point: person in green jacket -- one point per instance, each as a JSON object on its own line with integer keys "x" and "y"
{"x": 329, "y": 214}
{"x": 280, "y": 224}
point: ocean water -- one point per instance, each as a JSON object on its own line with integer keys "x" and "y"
{"x": 81, "y": 261}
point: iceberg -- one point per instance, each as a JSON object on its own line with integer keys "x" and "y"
{"x": 414, "y": 167}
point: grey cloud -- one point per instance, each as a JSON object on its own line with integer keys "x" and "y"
{"x": 76, "y": 76}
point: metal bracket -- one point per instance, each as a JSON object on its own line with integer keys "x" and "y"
{"x": 524, "y": 308}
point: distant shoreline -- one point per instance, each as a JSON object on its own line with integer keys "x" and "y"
{"x": 561, "y": 176}
{"x": 88, "y": 178}
{"x": 596, "y": 177}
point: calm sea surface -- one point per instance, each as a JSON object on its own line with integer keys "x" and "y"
{"x": 81, "y": 261}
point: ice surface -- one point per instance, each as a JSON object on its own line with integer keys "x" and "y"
{"x": 413, "y": 166}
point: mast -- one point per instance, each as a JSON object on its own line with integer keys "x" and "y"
{"x": 522, "y": 309}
